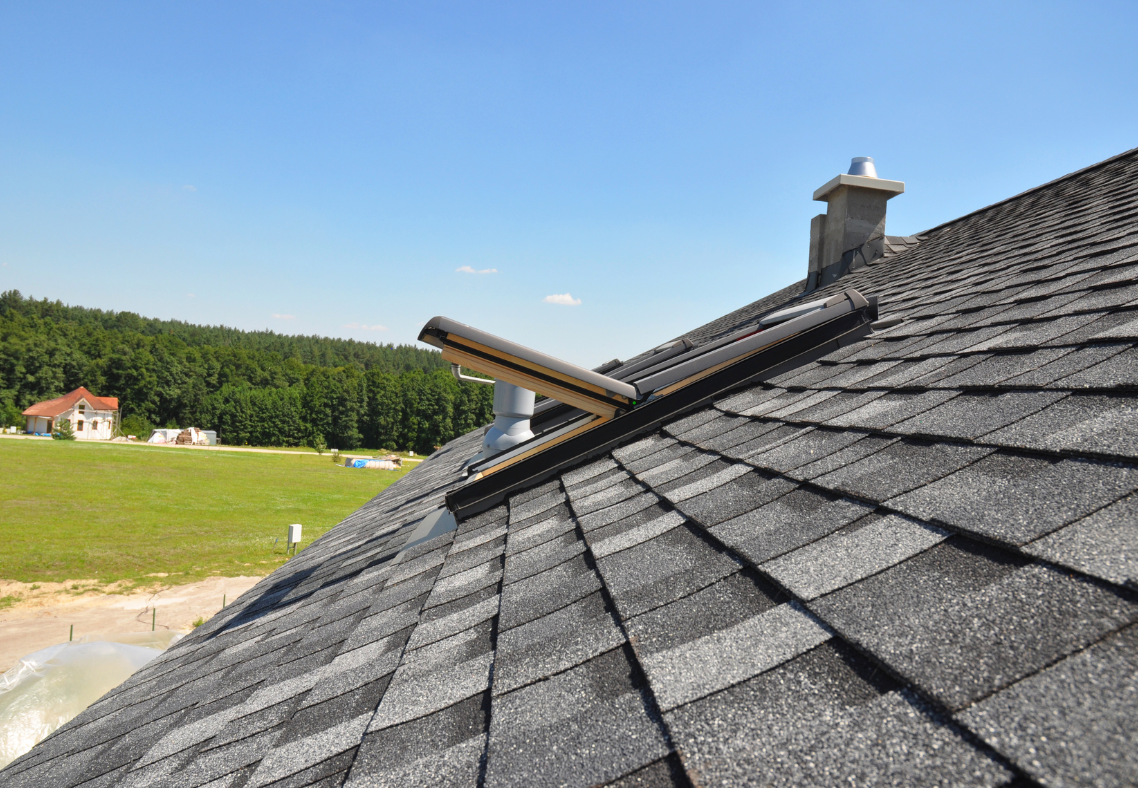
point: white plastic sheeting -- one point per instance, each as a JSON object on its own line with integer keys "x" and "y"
{"x": 382, "y": 465}
{"x": 46, "y": 689}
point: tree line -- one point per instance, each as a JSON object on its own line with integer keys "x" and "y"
{"x": 252, "y": 387}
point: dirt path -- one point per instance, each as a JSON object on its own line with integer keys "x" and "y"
{"x": 43, "y": 616}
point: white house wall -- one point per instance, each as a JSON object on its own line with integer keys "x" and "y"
{"x": 105, "y": 419}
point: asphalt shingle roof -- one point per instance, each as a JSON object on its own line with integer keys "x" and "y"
{"x": 910, "y": 562}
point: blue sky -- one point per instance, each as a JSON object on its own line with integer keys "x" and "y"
{"x": 327, "y": 168}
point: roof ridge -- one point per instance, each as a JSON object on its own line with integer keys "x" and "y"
{"x": 1032, "y": 190}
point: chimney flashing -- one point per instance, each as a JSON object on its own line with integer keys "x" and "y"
{"x": 893, "y": 188}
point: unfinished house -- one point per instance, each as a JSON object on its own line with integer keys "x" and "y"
{"x": 877, "y": 528}
{"x": 91, "y": 417}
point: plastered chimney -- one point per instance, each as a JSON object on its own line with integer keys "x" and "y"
{"x": 852, "y": 231}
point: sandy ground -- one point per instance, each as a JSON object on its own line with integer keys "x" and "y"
{"x": 44, "y": 615}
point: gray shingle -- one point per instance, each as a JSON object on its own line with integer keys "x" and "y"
{"x": 1072, "y": 361}
{"x": 1080, "y": 423}
{"x": 852, "y": 553}
{"x": 539, "y": 529}
{"x": 720, "y": 606}
{"x": 899, "y": 466}
{"x": 299, "y": 755}
{"x": 742, "y": 493}
{"x": 961, "y": 621}
{"x": 553, "y": 643}
{"x": 682, "y": 426}
{"x": 713, "y": 662}
{"x": 972, "y": 415}
{"x": 551, "y": 590}
{"x": 589, "y": 471}
{"x": 542, "y": 557}
{"x": 863, "y": 445}
{"x": 1072, "y": 724}
{"x": 586, "y": 726}
{"x": 437, "y": 676}
{"x": 995, "y": 369}
{"x": 740, "y": 434}
{"x": 839, "y": 403}
{"x": 611, "y": 514}
{"x": 444, "y": 748}
{"x": 750, "y": 398}
{"x": 1103, "y": 545}
{"x": 433, "y": 631}
{"x": 806, "y": 446}
{"x": 761, "y": 443}
{"x": 710, "y": 430}
{"x": 530, "y": 506}
{"x": 1118, "y": 371}
{"x": 643, "y": 447}
{"x": 1040, "y": 332}
{"x": 684, "y": 464}
{"x": 789, "y": 522}
{"x": 661, "y": 570}
{"x": 710, "y": 477}
{"x": 889, "y": 409}
{"x": 672, "y": 450}
{"x": 602, "y": 544}
{"x": 448, "y": 589}
{"x": 1015, "y": 499}
{"x": 607, "y": 497}
{"x": 601, "y": 481}
{"x": 825, "y": 719}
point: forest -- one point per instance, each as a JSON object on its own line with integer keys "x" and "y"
{"x": 253, "y": 387}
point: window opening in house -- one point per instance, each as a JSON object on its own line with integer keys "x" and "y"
{"x": 82, "y": 408}
{"x": 79, "y": 425}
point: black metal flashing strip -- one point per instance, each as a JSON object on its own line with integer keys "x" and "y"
{"x": 491, "y": 490}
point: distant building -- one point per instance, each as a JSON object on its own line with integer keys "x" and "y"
{"x": 91, "y": 417}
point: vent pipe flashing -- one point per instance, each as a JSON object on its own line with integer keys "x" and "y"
{"x": 513, "y": 408}
{"x": 851, "y": 233}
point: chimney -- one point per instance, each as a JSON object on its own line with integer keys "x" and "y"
{"x": 851, "y": 233}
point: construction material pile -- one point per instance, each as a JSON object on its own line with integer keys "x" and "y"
{"x": 390, "y": 462}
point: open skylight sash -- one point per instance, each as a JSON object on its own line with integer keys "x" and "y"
{"x": 508, "y": 361}
{"x": 513, "y": 370}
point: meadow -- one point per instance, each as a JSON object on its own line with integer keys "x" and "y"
{"x": 114, "y": 512}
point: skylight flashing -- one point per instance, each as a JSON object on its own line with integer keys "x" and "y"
{"x": 659, "y": 355}
{"x": 707, "y": 358}
{"x": 586, "y": 438}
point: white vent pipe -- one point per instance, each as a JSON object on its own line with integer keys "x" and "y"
{"x": 513, "y": 407}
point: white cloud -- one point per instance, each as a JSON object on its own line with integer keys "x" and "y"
{"x": 564, "y": 299}
{"x": 191, "y": 295}
{"x": 190, "y": 188}
{"x": 285, "y": 317}
{"x": 466, "y": 269}
{"x": 365, "y": 327}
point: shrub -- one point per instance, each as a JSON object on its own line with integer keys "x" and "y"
{"x": 319, "y": 444}
{"x": 63, "y": 431}
{"x": 136, "y": 425}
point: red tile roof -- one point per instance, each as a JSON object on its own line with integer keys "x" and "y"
{"x": 54, "y": 407}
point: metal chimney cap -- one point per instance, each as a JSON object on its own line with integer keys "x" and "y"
{"x": 863, "y": 166}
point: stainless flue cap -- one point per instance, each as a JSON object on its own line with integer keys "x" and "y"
{"x": 863, "y": 165}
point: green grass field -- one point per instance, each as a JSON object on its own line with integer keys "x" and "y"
{"x": 110, "y": 512}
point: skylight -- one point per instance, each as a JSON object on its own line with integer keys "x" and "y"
{"x": 600, "y": 411}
